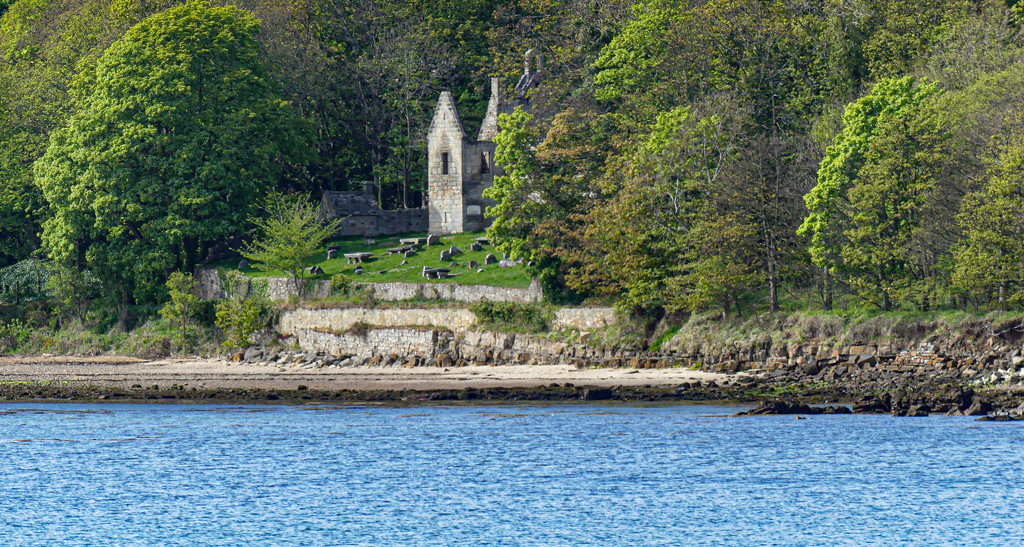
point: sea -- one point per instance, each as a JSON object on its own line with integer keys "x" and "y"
{"x": 565, "y": 474}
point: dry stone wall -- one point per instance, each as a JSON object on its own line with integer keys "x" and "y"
{"x": 337, "y": 320}
{"x": 584, "y": 319}
{"x": 395, "y": 292}
{"x": 211, "y": 286}
{"x": 400, "y": 342}
{"x": 281, "y": 289}
{"x": 384, "y": 222}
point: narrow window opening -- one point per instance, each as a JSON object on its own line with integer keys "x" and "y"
{"x": 485, "y": 162}
{"x": 444, "y": 163}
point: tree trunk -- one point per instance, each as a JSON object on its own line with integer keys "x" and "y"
{"x": 827, "y": 281}
{"x": 1002, "y": 295}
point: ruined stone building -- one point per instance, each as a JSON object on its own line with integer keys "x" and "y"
{"x": 459, "y": 169}
{"x": 361, "y": 215}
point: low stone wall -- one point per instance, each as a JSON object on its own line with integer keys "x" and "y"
{"x": 584, "y": 319}
{"x": 385, "y": 222}
{"x": 400, "y": 342}
{"x": 209, "y": 284}
{"x": 338, "y": 320}
{"x": 281, "y": 289}
{"x": 437, "y": 347}
{"x": 394, "y": 292}
{"x": 278, "y": 288}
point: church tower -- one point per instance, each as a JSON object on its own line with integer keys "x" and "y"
{"x": 446, "y": 142}
{"x": 460, "y": 169}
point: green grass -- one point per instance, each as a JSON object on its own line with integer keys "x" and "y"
{"x": 514, "y": 277}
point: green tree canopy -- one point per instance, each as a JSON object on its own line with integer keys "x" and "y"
{"x": 872, "y": 187}
{"x": 178, "y": 131}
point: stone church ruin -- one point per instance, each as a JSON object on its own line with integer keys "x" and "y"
{"x": 459, "y": 169}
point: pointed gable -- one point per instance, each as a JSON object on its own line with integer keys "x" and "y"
{"x": 489, "y": 128}
{"x": 446, "y": 117}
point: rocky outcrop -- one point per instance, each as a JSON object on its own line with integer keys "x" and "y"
{"x": 778, "y": 407}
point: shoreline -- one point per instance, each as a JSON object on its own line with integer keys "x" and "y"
{"x": 127, "y": 379}
{"x": 49, "y": 378}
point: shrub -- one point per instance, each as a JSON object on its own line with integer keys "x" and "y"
{"x": 240, "y": 319}
{"x": 513, "y": 316}
{"x": 13, "y": 335}
{"x": 340, "y": 284}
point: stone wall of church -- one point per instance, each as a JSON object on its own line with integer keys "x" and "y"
{"x": 445, "y": 169}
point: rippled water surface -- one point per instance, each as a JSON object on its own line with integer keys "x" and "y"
{"x": 558, "y": 475}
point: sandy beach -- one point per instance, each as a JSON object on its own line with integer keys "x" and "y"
{"x": 220, "y": 374}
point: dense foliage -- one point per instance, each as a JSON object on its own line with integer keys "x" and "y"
{"x": 677, "y": 156}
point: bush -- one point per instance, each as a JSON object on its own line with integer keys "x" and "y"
{"x": 13, "y": 336}
{"x": 513, "y": 316}
{"x": 340, "y": 284}
{"x": 240, "y": 319}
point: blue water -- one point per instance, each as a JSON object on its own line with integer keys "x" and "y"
{"x": 516, "y": 475}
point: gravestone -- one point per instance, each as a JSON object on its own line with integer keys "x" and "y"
{"x": 476, "y": 247}
{"x": 473, "y": 264}
{"x": 490, "y": 259}
{"x": 332, "y": 254}
{"x": 446, "y": 256}
{"x": 243, "y": 265}
{"x": 433, "y": 240}
{"x": 454, "y": 251}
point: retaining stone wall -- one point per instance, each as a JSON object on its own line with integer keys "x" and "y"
{"x": 584, "y": 319}
{"x": 393, "y": 292}
{"x": 278, "y": 288}
{"x": 337, "y": 320}
{"x": 402, "y": 342}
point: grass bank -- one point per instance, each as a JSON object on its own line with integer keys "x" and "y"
{"x": 384, "y": 267}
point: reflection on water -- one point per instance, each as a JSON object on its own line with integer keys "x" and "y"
{"x": 511, "y": 475}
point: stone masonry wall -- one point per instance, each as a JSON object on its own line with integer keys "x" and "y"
{"x": 394, "y": 292}
{"x": 338, "y": 320}
{"x": 281, "y": 289}
{"x": 584, "y": 319}
{"x": 278, "y": 288}
{"x": 373, "y": 342}
{"x": 385, "y": 222}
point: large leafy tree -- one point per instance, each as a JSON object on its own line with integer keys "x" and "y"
{"x": 990, "y": 258}
{"x": 875, "y": 185}
{"x": 42, "y": 45}
{"x": 178, "y": 131}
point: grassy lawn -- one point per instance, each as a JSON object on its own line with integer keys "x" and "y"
{"x": 391, "y": 265}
